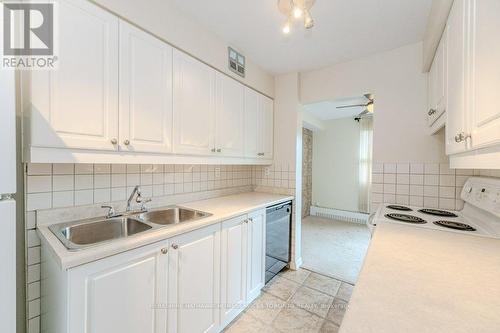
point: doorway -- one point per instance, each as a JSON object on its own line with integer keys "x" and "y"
{"x": 336, "y": 177}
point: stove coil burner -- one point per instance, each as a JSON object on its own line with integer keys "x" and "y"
{"x": 455, "y": 225}
{"x": 438, "y": 212}
{"x": 406, "y": 218}
{"x": 400, "y": 208}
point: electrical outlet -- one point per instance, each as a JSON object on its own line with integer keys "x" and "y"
{"x": 267, "y": 171}
{"x": 217, "y": 172}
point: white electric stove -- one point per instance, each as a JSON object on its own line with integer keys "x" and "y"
{"x": 480, "y": 215}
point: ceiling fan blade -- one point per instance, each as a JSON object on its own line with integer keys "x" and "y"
{"x": 351, "y": 106}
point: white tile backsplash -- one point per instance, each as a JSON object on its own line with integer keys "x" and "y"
{"x": 421, "y": 184}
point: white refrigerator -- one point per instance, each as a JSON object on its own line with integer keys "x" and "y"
{"x": 7, "y": 203}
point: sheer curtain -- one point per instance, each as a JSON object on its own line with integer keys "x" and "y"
{"x": 365, "y": 162}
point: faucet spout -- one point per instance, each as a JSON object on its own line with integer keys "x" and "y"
{"x": 137, "y": 190}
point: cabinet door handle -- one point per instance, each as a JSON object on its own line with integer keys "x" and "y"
{"x": 250, "y": 219}
{"x": 175, "y": 246}
{"x": 126, "y": 142}
{"x": 431, "y": 112}
{"x": 114, "y": 141}
{"x": 461, "y": 137}
{"x": 219, "y": 150}
{"x": 212, "y": 150}
{"x": 164, "y": 250}
{"x": 260, "y": 154}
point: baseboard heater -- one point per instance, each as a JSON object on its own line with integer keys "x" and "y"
{"x": 337, "y": 214}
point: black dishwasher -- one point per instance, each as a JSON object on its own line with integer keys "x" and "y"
{"x": 278, "y": 230}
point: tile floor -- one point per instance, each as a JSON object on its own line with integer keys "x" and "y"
{"x": 296, "y": 301}
{"x": 349, "y": 241}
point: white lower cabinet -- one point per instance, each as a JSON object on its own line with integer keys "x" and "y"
{"x": 256, "y": 240}
{"x": 233, "y": 268}
{"x": 196, "y": 282}
{"x": 124, "y": 293}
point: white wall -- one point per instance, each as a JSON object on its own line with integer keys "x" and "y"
{"x": 288, "y": 146}
{"x": 400, "y": 89}
{"x": 163, "y": 19}
{"x": 336, "y": 165}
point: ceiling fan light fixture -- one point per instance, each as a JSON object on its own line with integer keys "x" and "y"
{"x": 308, "y": 20}
{"x": 297, "y": 12}
{"x": 286, "y": 27}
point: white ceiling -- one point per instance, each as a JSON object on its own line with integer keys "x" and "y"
{"x": 327, "y": 110}
{"x": 344, "y": 30}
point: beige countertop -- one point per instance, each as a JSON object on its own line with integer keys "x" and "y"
{"x": 420, "y": 280}
{"x": 222, "y": 208}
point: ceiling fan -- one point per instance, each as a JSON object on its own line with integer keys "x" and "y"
{"x": 367, "y": 105}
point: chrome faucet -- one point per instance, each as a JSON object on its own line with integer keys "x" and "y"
{"x": 139, "y": 199}
{"x": 137, "y": 190}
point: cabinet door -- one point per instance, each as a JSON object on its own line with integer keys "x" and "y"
{"x": 194, "y": 106}
{"x": 456, "y": 122}
{"x": 229, "y": 120}
{"x": 437, "y": 82}
{"x": 76, "y": 105}
{"x": 266, "y": 127}
{"x": 252, "y": 119}
{"x": 441, "y": 71}
{"x": 485, "y": 73}
{"x": 119, "y": 293}
{"x": 432, "y": 91}
{"x": 233, "y": 268}
{"x": 194, "y": 281}
{"x": 256, "y": 231}
{"x": 145, "y": 92}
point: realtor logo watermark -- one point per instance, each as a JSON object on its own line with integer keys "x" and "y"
{"x": 28, "y": 35}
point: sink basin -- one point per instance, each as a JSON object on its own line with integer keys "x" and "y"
{"x": 75, "y": 236}
{"x": 172, "y": 215}
{"x": 79, "y": 235}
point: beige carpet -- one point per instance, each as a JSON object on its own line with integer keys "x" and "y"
{"x": 334, "y": 248}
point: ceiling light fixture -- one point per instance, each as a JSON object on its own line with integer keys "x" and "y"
{"x": 286, "y": 27}
{"x": 297, "y": 9}
{"x": 297, "y": 12}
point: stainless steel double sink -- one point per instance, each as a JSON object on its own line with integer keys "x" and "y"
{"x": 83, "y": 234}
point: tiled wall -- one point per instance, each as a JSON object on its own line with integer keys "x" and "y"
{"x": 66, "y": 185}
{"x": 277, "y": 176}
{"x": 421, "y": 184}
{"x": 307, "y": 154}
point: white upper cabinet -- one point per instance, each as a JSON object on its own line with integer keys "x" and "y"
{"x": 76, "y": 105}
{"x": 484, "y": 73}
{"x": 259, "y": 125}
{"x": 252, "y": 123}
{"x": 266, "y": 127}
{"x": 229, "y": 121}
{"x": 121, "y": 95}
{"x": 437, "y": 83}
{"x": 194, "y": 106}
{"x": 457, "y": 43}
{"x": 145, "y": 92}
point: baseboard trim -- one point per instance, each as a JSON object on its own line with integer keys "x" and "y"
{"x": 337, "y": 214}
